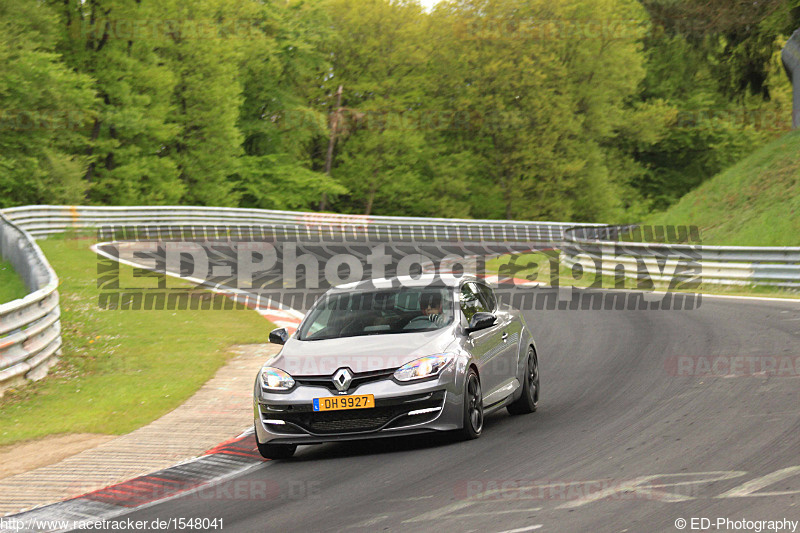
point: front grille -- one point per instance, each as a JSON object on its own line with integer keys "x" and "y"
{"x": 342, "y": 422}
{"x": 355, "y": 420}
{"x": 359, "y": 379}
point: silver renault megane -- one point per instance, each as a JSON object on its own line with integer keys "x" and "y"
{"x": 399, "y": 358}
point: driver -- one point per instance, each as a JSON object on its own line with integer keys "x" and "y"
{"x": 430, "y": 303}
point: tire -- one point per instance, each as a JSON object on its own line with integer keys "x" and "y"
{"x": 473, "y": 407}
{"x": 275, "y": 451}
{"x": 529, "y": 399}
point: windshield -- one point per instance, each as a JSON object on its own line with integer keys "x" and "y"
{"x": 381, "y": 312}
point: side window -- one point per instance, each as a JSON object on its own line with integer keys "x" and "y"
{"x": 487, "y": 294}
{"x": 470, "y": 301}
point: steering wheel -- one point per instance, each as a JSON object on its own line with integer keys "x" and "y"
{"x": 419, "y": 322}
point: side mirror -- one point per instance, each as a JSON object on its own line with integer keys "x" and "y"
{"x": 278, "y": 336}
{"x": 481, "y": 321}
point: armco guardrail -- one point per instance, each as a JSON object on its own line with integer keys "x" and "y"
{"x": 43, "y": 220}
{"x": 722, "y": 265}
{"x": 30, "y": 334}
{"x": 29, "y": 327}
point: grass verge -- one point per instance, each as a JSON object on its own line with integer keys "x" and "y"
{"x": 753, "y": 203}
{"x": 120, "y": 369}
{"x": 11, "y": 286}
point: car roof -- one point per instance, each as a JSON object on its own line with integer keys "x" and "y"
{"x": 404, "y": 282}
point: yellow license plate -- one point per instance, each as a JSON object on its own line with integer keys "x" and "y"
{"x": 340, "y": 403}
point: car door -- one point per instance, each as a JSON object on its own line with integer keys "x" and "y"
{"x": 485, "y": 345}
{"x": 506, "y": 363}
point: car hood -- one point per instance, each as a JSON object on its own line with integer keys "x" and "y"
{"x": 360, "y": 354}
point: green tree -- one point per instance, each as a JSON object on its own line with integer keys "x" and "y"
{"x": 390, "y": 149}
{"x": 205, "y": 53}
{"x": 113, "y": 42}
{"x": 552, "y": 92}
{"x": 281, "y": 125}
{"x": 44, "y": 109}
{"x": 721, "y": 113}
{"x": 738, "y": 38}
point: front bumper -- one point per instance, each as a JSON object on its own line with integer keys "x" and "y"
{"x": 400, "y": 409}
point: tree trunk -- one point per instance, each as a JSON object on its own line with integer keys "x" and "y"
{"x": 371, "y": 196}
{"x": 329, "y": 156}
{"x": 508, "y": 197}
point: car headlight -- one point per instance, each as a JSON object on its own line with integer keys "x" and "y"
{"x": 424, "y": 367}
{"x": 275, "y": 379}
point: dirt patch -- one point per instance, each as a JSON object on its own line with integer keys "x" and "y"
{"x": 24, "y": 456}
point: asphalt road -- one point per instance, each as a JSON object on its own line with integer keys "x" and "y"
{"x": 624, "y": 440}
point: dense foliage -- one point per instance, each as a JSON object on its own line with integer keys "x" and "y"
{"x": 584, "y": 110}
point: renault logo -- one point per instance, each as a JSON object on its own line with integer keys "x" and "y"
{"x": 342, "y": 379}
